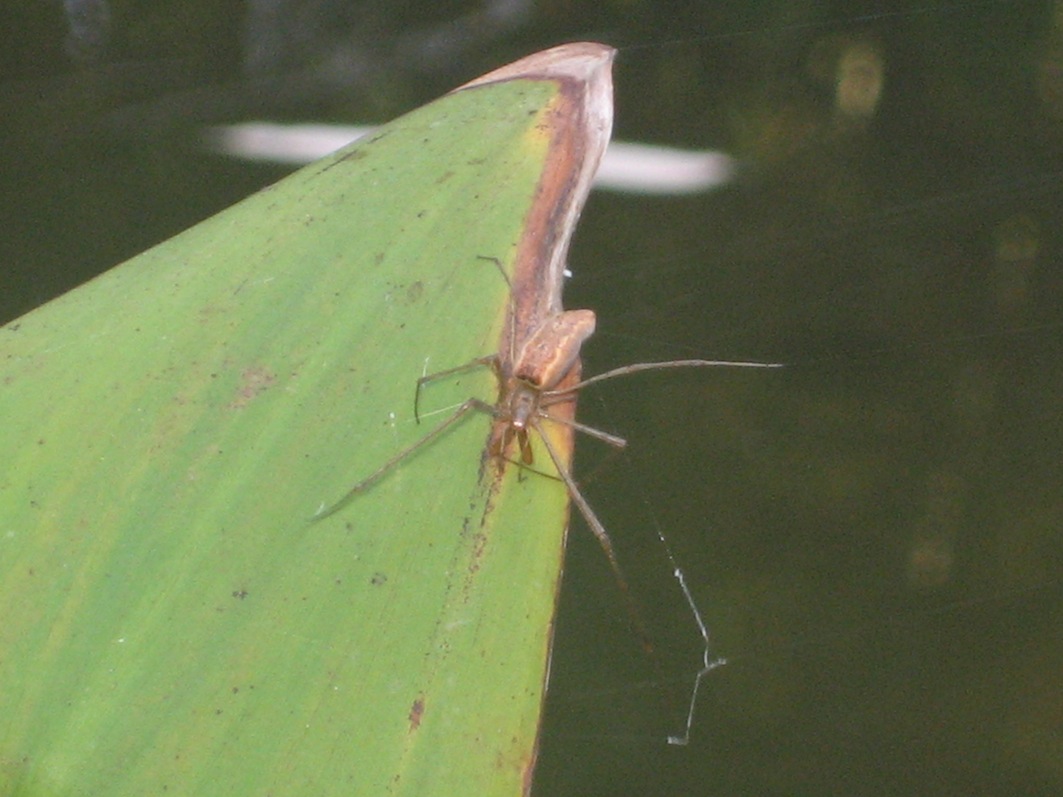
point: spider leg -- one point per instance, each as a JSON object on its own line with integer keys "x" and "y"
{"x": 603, "y": 538}
{"x": 479, "y": 362}
{"x": 387, "y": 467}
{"x": 637, "y": 367}
{"x": 590, "y": 431}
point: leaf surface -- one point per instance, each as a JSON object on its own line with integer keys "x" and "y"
{"x": 173, "y": 619}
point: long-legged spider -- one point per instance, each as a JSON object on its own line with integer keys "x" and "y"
{"x": 533, "y": 377}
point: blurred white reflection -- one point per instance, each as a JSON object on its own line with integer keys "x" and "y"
{"x": 628, "y": 167}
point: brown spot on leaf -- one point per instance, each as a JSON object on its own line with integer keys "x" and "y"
{"x": 254, "y": 380}
{"x": 416, "y": 712}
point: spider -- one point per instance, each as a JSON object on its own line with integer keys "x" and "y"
{"x": 534, "y": 375}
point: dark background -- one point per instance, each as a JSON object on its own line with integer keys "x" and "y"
{"x": 873, "y": 533}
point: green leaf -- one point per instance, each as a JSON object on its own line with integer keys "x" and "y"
{"x": 173, "y": 618}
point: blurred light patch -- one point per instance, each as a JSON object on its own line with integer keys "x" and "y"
{"x": 630, "y": 168}
{"x": 858, "y": 83}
